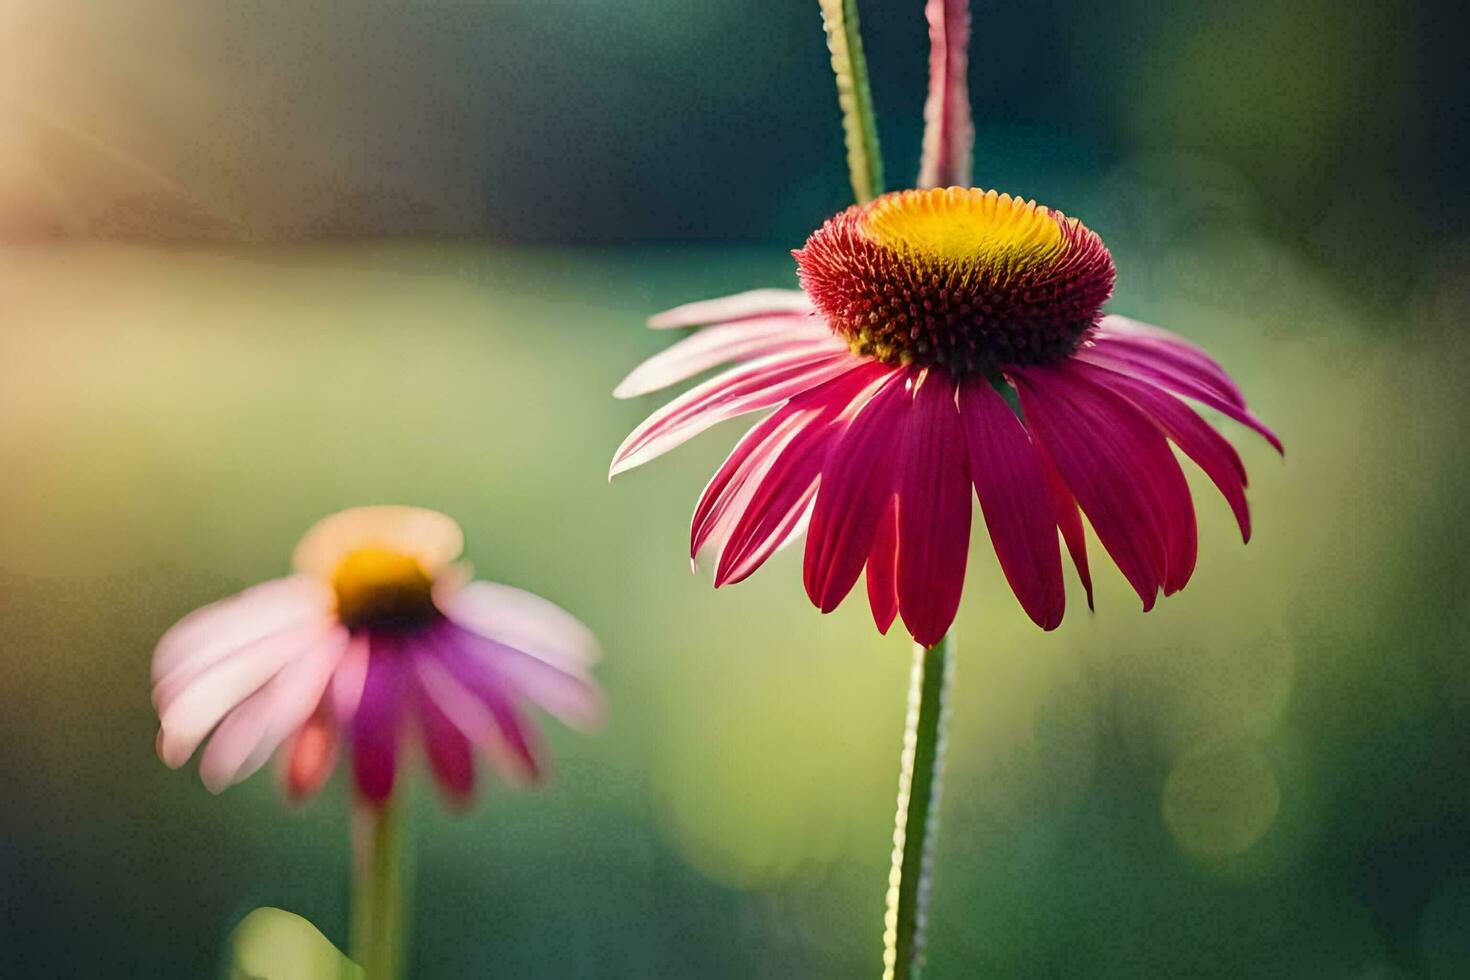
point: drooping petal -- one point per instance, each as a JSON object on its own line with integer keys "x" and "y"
{"x": 522, "y": 620}
{"x": 467, "y": 712}
{"x": 566, "y": 692}
{"x": 854, "y": 491}
{"x": 1165, "y": 347}
{"x": 251, "y": 732}
{"x": 747, "y": 388}
{"x": 310, "y": 754}
{"x": 949, "y": 133}
{"x": 447, "y": 747}
{"x": 727, "y": 309}
{"x": 376, "y": 727}
{"x": 882, "y": 569}
{"x": 933, "y": 486}
{"x": 348, "y": 681}
{"x": 207, "y": 634}
{"x": 1015, "y": 501}
{"x": 1168, "y": 373}
{"x": 509, "y": 739}
{"x": 744, "y": 340}
{"x": 188, "y": 714}
{"x": 1069, "y": 521}
{"x": 1098, "y": 451}
{"x": 1214, "y": 455}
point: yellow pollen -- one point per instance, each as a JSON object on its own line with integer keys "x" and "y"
{"x": 965, "y": 225}
{"x": 380, "y": 587}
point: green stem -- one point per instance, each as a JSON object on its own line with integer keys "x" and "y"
{"x": 915, "y": 825}
{"x": 860, "y": 128}
{"x": 377, "y": 899}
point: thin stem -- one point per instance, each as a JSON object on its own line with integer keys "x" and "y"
{"x": 915, "y": 825}
{"x": 377, "y": 899}
{"x": 860, "y": 128}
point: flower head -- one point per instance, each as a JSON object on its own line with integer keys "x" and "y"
{"x": 377, "y": 634}
{"x": 945, "y": 340}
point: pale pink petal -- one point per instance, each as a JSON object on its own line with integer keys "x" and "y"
{"x": 1219, "y": 460}
{"x": 566, "y": 692}
{"x": 468, "y": 712}
{"x": 522, "y": 620}
{"x": 347, "y": 682}
{"x": 933, "y": 487}
{"x": 377, "y": 725}
{"x": 748, "y": 388}
{"x": 189, "y": 714}
{"x": 949, "y": 133}
{"x": 726, "y": 309}
{"x": 741, "y": 341}
{"x": 252, "y": 731}
{"x": 882, "y": 569}
{"x": 209, "y": 633}
{"x": 1015, "y": 501}
{"x": 854, "y": 491}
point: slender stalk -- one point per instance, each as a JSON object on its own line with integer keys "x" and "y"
{"x": 377, "y": 899}
{"x": 860, "y": 128}
{"x": 915, "y": 825}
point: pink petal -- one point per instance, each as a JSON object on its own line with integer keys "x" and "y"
{"x": 187, "y": 715}
{"x": 1167, "y": 372}
{"x": 949, "y": 133}
{"x": 854, "y": 491}
{"x": 1014, "y": 497}
{"x": 379, "y": 718}
{"x": 883, "y": 569}
{"x": 1098, "y": 450}
{"x": 522, "y": 620}
{"x": 933, "y": 485}
{"x": 348, "y": 681}
{"x": 1219, "y": 460}
{"x": 747, "y": 388}
{"x": 515, "y": 734}
{"x": 209, "y": 633}
{"x": 726, "y": 309}
{"x": 1149, "y": 342}
{"x": 448, "y": 749}
{"x": 568, "y": 693}
{"x": 741, "y": 341}
{"x": 247, "y": 737}
{"x": 310, "y": 755}
{"x": 468, "y": 712}
{"x": 1069, "y": 520}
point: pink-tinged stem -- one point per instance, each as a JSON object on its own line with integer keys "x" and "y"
{"x": 949, "y": 133}
{"x": 378, "y": 935}
{"x": 920, "y": 777}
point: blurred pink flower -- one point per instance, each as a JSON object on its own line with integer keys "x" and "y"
{"x": 376, "y": 635}
{"x": 943, "y": 340}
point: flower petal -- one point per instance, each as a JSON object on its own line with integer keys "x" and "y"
{"x": 1069, "y": 520}
{"x": 933, "y": 486}
{"x": 310, "y": 754}
{"x": 376, "y": 724}
{"x": 189, "y": 714}
{"x": 882, "y": 569}
{"x": 448, "y": 749}
{"x": 1016, "y": 502}
{"x": 252, "y": 731}
{"x": 741, "y": 341}
{"x": 522, "y": 620}
{"x": 949, "y": 133}
{"x": 509, "y": 739}
{"x": 748, "y": 388}
{"x": 207, "y": 634}
{"x": 1148, "y": 342}
{"x": 726, "y": 309}
{"x": 854, "y": 491}
{"x": 566, "y": 692}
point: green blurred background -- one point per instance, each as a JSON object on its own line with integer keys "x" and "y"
{"x": 264, "y": 261}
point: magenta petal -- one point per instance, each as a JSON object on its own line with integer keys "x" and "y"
{"x": 747, "y": 388}
{"x": 448, "y": 750}
{"x": 949, "y": 133}
{"x": 854, "y": 490}
{"x": 1069, "y": 521}
{"x": 375, "y": 726}
{"x": 883, "y": 569}
{"x": 1168, "y": 372}
{"x": 1016, "y": 502}
{"x": 727, "y": 309}
{"x": 520, "y": 757}
{"x": 933, "y": 486}
{"x": 1098, "y": 450}
{"x": 566, "y": 692}
{"x": 720, "y": 505}
{"x": 1219, "y": 460}
{"x": 711, "y": 347}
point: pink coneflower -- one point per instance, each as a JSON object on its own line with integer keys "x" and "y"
{"x": 376, "y": 635}
{"x": 945, "y": 339}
